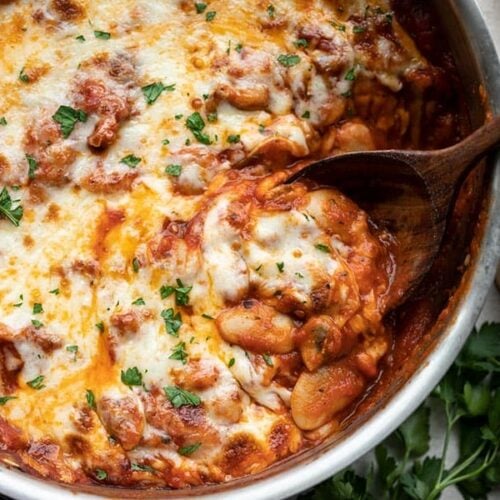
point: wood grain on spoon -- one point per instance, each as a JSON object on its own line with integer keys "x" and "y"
{"x": 410, "y": 193}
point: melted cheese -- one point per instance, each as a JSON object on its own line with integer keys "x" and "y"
{"x": 92, "y": 255}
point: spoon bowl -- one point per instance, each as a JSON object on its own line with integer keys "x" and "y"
{"x": 408, "y": 193}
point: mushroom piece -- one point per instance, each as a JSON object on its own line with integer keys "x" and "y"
{"x": 319, "y": 396}
{"x": 257, "y": 327}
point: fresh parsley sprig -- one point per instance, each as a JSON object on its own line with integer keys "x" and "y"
{"x": 469, "y": 397}
{"x": 7, "y": 209}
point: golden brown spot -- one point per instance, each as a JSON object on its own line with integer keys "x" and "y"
{"x": 28, "y": 241}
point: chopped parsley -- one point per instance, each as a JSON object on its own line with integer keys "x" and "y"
{"x": 173, "y": 321}
{"x": 165, "y": 142}
{"x": 207, "y": 316}
{"x": 37, "y": 383}
{"x": 139, "y": 302}
{"x": 200, "y": 7}
{"x": 179, "y": 116}
{"x": 154, "y": 90}
{"x": 280, "y": 266}
{"x": 37, "y": 324}
{"x": 179, "y": 397}
{"x": 210, "y": 15}
{"x": 80, "y": 38}
{"x": 32, "y": 166}
{"x": 340, "y": 27}
{"x": 239, "y": 47}
{"x": 3, "y": 121}
{"x": 100, "y": 474}
{"x": 196, "y": 124}
{"x": 179, "y": 353}
{"x": 301, "y": 43}
{"x": 19, "y": 304}
{"x": 268, "y": 360}
{"x": 72, "y": 349}
{"x": 271, "y": 11}
{"x": 67, "y": 118}
{"x": 56, "y": 291}
{"x": 306, "y": 115}
{"x": 131, "y": 377}
{"x": 234, "y": 138}
{"x": 358, "y": 29}
{"x": 5, "y": 399}
{"x": 231, "y": 362}
{"x": 136, "y": 265}
{"x": 212, "y": 117}
{"x": 262, "y": 128}
{"x": 100, "y": 326}
{"x": 174, "y": 170}
{"x": 299, "y": 275}
{"x": 189, "y": 449}
{"x": 350, "y": 76}
{"x": 322, "y": 248}
{"x": 141, "y": 468}
{"x": 102, "y": 35}
{"x": 181, "y": 292}
{"x": 131, "y": 161}
{"x": 89, "y": 396}
{"x": 12, "y": 214}
{"x": 288, "y": 60}
{"x": 23, "y": 76}
{"x": 37, "y": 308}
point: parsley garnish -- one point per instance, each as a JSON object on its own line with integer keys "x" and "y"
{"x": 131, "y": 161}
{"x": 5, "y": 399}
{"x": 67, "y": 117}
{"x": 181, "y": 292}
{"x": 173, "y": 170}
{"x": 80, "y": 38}
{"x": 89, "y": 396}
{"x": 271, "y": 11}
{"x": 173, "y": 321}
{"x": 37, "y": 308}
{"x": 322, "y": 248}
{"x": 239, "y": 47}
{"x": 210, "y": 15}
{"x": 102, "y": 35}
{"x": 3, "y": 120}
{"x": 301, "y": 43}
{"x": 179, "y": 397}
{"x": 154, "y": 90}
{"x": 136, "y": 265}
{"x": 132, "y": 376}
{"x": 101, "y": 474}
{"x": 288, "y": 60}
{"x": 358, "y": 29}
{"x": 179, "y": 353}
{"x": 267, "y": 359}
{"x": 37, "y": 383}
{"x": 73, "y": 349}
{"x": 280, "y": 266}
{"x": 142, "y": 468}
{"x": 14, "y": 215}
{"x": 56, "y": 291}
{"x": 207, "y": 316}
{"x": 19, "y": 304}
{"x": 196, "y": 124}
{"x": 139, "y": 302}
{"x": 231, "y": 362}
{"x": 200, "y": 7}
{"x": 37, "y": 324}
{"x": 23, "y": 76}
{"x": 189, "y": 449}
{"x": 233, "y": 139}
{"x": 212, "y": 117}
{"x": 100, "y": 326}
{"x": 340, "y": 27}
{"x": 306, "y": 115}
{"x": 350, "y": 76}
{"x": 165, "y": 142}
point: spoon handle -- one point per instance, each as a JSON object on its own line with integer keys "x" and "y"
{"x": 463, "y": 156}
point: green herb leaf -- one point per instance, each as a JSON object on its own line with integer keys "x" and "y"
{"x": 8, "y": 211}
{"x": 37, "y": 308}
{"x": 102, "y": 35}
{"x": 139, "y": 302}
{"x": 100, "y": 474}
{"x": 56, "y": 291}
{"x": 210, "y": 16}
{"x": 268, "y": 360}
{"x": 174, "y": 170}
{"x": 233, "y": 139}
{"x": 179, "y": 397}
{"x": 280, "y": 266}
{"x": 415, "y": 432}
{"x": 136, "y": 265}
{"x": 80, "y": 38}
{"x": 131, "y": 377}
{"x": 289, "y": 60}
{"x": 231, "y": 362}
{"x": 23, "y": 76}
{"x": 153, "y": 91}
{"x": 301, "y": 43}
{"x": 100, "y": 326}
{"x": 32, "y": 166}
{"x": 196, "y": 124}
{"x": 179, "y": 353}
{"x": 67, "y": 117}
{"x": 3, "y": 120}
{"x": 323, "y": 248}
{"x": 89, "y": 396}
{"x": 181, "y": 292}
{"x": 200, "y": 7}
{"x": 173, "y": 321}
{"x": 350, "y": 76}
{"x": 37, "y": 324}
{"x": 141, "y": 468}
{"x": 271, "y": 11}
{"x": 5, "y": 399}
{"x": 131, "y": 160}
{"x": 189, "y": 449}
{"x": 37, "y": 383}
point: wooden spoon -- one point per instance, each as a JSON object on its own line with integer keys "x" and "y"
{"x": 410, "y": 193}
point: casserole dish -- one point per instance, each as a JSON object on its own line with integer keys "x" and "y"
{"x": 452, "y": 328}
